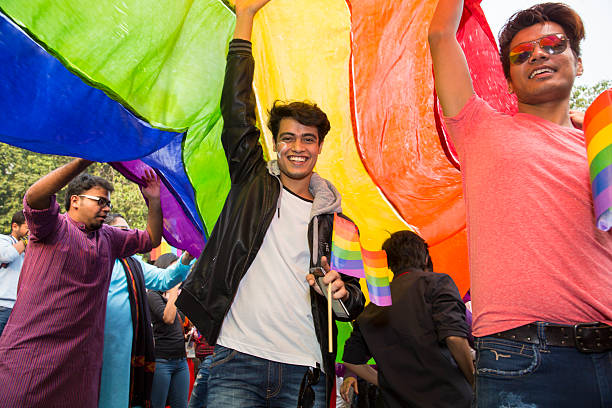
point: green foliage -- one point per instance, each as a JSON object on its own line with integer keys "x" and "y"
{"x": 583, "y": 95}
{"x": 20, "y": 168}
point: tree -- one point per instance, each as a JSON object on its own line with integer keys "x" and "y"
{"x": 20, "y": 168}
{"x": 583, "y": 95}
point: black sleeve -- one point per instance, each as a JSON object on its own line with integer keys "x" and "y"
{"x": 356, "y": 299}
{"x": 240, "y": 136}
{"x": 448, "y": 308}
{"x": 156, "y": 306}
{"x": 356, "y": 350}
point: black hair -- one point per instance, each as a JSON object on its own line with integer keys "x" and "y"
{"x": 18, "y": 218}
{"x": 306, "y": 113}
{"x": 165, "y": 260}
{"x": 110, "y": 217}
{"x": 84, "y": 182}
{"x": 558, "y": 13}
{"x": 406, "y": 250}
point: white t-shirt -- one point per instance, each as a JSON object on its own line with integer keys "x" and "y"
{"x": 271, "y": 316}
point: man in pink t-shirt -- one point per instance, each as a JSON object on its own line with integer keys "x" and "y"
{"x": 538, "y": 264}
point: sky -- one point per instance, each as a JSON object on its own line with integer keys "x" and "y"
{"x": 597, "y": 18}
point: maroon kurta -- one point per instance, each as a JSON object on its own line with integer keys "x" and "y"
{"x": 51, "y": 348}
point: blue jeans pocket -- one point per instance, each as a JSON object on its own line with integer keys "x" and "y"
{"x": 505, "y": 358}
{"x": 222, "y": 355}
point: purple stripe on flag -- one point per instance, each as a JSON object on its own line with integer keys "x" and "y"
{"x": 347, "y": 263}
{"x": 379, "y": 290}
{"x": 603, "y": 206}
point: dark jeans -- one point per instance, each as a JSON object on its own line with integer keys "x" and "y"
{"x": 516, "y": 374}
{"x": 5, "y": 312}
{"x": 244, "y": 381}
{"x": 200, "y": 387}
{"x": 171, "y": 383}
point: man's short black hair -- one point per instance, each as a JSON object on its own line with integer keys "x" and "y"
{"x": 406, "y": 250}
{"x": 306, "y": 113}
{"x": 84, "y": 182}
{"x": 558, "y": 13}
{"x": 112, "y": 217}
{"x": 165, "y": 260}
{"x": 18, "y": 218}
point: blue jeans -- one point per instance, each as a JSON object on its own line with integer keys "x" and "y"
{"x": 5, "y": 312}
{"x": 244, "y": 381}
{"x": 200, "y": 387}
{"x": 171, "y": 383}
{"x": 516, "y": 374}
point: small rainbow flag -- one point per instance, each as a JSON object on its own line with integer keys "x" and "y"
{"x": 598, "y": 137}
{"x": 377, "y": 276}
{"x": 346, "y": 249}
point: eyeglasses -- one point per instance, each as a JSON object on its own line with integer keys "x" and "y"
{"x": 306, "y": 396}
{"x": 121, "y": 227}
{"x": 102, "y": 202}
{"x": 552, "y": 44}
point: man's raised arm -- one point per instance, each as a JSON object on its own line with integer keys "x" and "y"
{"x": 151, "y": 191}
{"x": 240, "y": 136}
{"x": 39, "y": 194}
{"x": 245, "y": 12}
{"x": 451, "y": 72}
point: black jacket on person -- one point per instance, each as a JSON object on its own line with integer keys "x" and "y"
{"x": 407, "y": 340}
{"x": 253, "y": 200}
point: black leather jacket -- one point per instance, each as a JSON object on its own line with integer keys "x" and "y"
{"x": 252, "y": 201}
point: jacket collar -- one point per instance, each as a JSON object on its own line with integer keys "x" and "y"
{"x": 327, "y": 199}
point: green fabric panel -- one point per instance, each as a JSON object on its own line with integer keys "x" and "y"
{"x": 601, "y": 161}
{"x": 344, "y": 332}
{"x": 163, "y": 60}
{"x": 207, "y": 170}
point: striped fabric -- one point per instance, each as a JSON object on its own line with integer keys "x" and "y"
{"x": 51, "y": 348}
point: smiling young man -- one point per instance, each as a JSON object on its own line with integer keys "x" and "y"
{"x": 540, "y": 269}
{"x": 51, "y": 348}
{"x": 251, "y": 293}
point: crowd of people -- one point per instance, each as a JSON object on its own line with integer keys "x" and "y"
{"x": 84, "y": 322}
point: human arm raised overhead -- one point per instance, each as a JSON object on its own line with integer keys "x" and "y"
{"x": 451, "y": 72}
{"x": 39, "y": 194}
{"x": 240, "y": 136}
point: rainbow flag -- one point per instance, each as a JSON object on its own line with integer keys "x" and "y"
{"x": 598, "y": 137}
{"x": 346, "y": 249}
{"x": 377, "y": 276}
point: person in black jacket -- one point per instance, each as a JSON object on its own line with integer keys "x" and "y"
{"x": 251, "y": 293}
{"x": 420, "y": 341}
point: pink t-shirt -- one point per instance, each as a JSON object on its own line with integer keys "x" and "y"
{"x": 534, "y": 251}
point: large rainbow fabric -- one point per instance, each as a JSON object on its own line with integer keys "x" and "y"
{"x": 346, "y": 249}
{"x": 377, "y": 276}
{"x": 95, "y": 79}
{"x": 598, "y": 136}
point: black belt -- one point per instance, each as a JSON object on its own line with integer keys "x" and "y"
{"x": 586, "y": 337}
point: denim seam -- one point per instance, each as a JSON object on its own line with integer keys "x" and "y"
{"x": 273, "y": 393}
{"x": 231, "y": 355}
{"x": 515, "y": 373}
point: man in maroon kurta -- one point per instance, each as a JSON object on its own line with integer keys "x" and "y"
{"x": 51, "y": 349}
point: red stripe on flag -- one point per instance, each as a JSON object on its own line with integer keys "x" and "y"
{"x": 374, "y": 259}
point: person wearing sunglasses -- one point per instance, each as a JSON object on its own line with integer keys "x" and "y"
{"x": 51, "y": 349}
{"x": 540, "y": 269}
{"x": 128, "y": 337}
